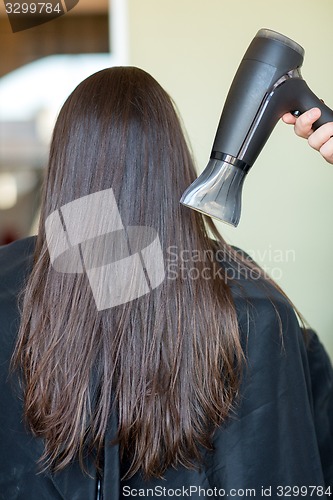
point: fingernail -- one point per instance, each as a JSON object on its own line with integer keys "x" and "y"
{"x": 311, "y": 114}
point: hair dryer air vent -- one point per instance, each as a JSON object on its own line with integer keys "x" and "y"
{"x": 268, "y": 83}
{"x": 218, "y": 191}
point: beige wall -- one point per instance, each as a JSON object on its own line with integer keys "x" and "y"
{"x": 193, "y": 48}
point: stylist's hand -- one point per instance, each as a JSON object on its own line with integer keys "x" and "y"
{"x": 320, "y": 139}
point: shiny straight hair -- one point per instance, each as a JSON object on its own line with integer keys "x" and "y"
{"x": 169, "y": 362}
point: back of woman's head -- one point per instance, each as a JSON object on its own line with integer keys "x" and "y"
{"x": 119, "y": 129}
{"x": 168, "y": 359}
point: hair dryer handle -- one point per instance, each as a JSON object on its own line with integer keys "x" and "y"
{"x": 309, "y": 100}
{"x": 293, "y": 94}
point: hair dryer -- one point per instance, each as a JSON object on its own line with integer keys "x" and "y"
{"x": 267, "y": 84}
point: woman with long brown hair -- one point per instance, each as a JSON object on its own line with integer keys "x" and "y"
{"x": 132, "y": 378}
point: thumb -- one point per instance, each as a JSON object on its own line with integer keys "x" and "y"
{"x": 303, "y": 124}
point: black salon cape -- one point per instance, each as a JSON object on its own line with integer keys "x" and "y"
{"x": 280, "y": 436}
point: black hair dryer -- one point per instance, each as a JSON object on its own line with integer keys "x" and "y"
{"x": 268, "y": 83}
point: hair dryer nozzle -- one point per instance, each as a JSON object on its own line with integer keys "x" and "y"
{"x": 217, "y": 192}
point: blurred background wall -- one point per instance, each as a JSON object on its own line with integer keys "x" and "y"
{"x": 193, "y": 49}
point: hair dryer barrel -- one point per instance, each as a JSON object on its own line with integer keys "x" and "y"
{"x": 267, "y": 59}
{"x": 267, "y": 84}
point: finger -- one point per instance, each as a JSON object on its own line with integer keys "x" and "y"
{"x": 289, "y": 118}
{"x": 321, "y": 136}
{"x": 303, "y": 125}
{"x": 327, "y": 150}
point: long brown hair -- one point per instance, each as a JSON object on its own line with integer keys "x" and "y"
{"x": 169, "y": 360}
